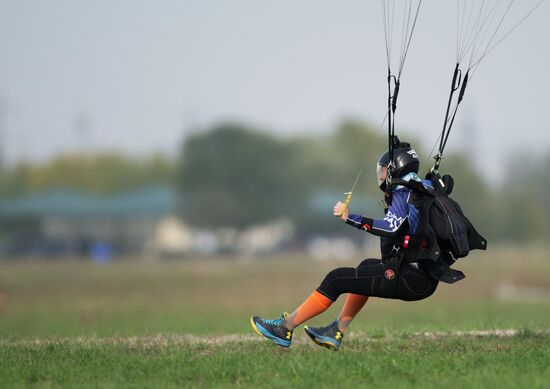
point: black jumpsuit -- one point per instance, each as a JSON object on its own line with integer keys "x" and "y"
{"x": 389, "y": 277}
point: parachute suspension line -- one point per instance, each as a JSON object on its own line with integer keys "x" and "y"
{"x": 408, "y": 23}
{"x": 409, "y": 34}
{"x": 461, "y": 36}
{"x": 385, "y": 25}
{"x": 490, "y": 48}
{"x": 476, "y": 37}
{"x": 483, "y": 28}
{"x": 365, "y": 161}
{"x": 486, "y": 22}
{"x": 469, "y": 35}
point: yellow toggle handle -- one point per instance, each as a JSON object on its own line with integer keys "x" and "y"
{"x": 348, "y": 198}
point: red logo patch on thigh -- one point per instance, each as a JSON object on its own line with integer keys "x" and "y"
{"x": 389, "y": 274}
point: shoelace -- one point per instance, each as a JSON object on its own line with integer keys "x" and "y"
{"x": 274, "y": 322}
{"x": 328, "y": 327}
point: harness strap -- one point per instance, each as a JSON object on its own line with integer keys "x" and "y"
{"x": 409, "y": 242}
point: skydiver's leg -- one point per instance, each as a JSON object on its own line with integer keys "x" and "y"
{"x": 280, "y": 330}
{"x": 330, "y": 336}
{"x": 354, "y": 303}
{"x": 371, "y": 278}
{"x": 336, "y": 282}
{"x": 365, "y": 280}
{"x": 315, "y": 304}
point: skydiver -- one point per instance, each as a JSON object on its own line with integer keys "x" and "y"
{"x": 390, "y": 277}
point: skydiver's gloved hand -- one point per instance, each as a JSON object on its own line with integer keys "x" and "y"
{"x": 341, "y": 210}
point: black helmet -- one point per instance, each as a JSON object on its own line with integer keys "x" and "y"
{"x": 405, "y": 161}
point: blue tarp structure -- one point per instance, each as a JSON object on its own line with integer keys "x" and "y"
{"x": 149, "y": 201}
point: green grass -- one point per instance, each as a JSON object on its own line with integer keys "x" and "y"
{"x": 174, "y": 324}
{"x": 406, "y": 361}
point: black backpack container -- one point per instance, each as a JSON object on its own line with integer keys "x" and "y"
{"x": 444, "y": 233}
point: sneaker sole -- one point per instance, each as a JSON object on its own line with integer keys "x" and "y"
{"x": 323, "y": 343}
{"x": 278, "y": 341}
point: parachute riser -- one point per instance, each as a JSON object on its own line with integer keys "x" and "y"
{"x": 393, "y": 92}
{"x": 455, "y": 84}
{"x": 458, "y": 83}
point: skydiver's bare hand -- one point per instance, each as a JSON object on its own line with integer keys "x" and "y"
{"x": 341, "y": 210}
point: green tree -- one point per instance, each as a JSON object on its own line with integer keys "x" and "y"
{"x": 233, "y": 175}
{"x": 102, "y": 173}
{"x": 524, "y": 199}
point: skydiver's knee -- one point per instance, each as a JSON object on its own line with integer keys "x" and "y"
{"x": 330, "y": 286}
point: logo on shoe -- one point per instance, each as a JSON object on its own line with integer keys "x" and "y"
{"x": 389, "y": 274}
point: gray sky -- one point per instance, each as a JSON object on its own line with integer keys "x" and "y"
{"x": 132, "y": 75}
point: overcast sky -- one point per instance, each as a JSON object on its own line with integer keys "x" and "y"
{"x": 135, "y": 75}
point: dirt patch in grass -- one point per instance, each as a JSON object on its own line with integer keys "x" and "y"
{"x": 159, "y": 341}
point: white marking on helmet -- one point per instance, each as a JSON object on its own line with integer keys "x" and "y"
{"x": 412, "y": 153}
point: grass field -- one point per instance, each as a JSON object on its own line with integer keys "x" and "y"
{"x": 173, "y": 324}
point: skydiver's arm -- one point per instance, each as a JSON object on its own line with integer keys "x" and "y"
{"x": 389, "y": 226}
{"x": 361, "y": 222}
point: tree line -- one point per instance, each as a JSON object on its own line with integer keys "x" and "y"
{"x": 237, "y": 175}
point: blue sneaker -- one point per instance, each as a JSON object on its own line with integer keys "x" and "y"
{"x": 328, "y": 336}
{"x": 274, "y": 330}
